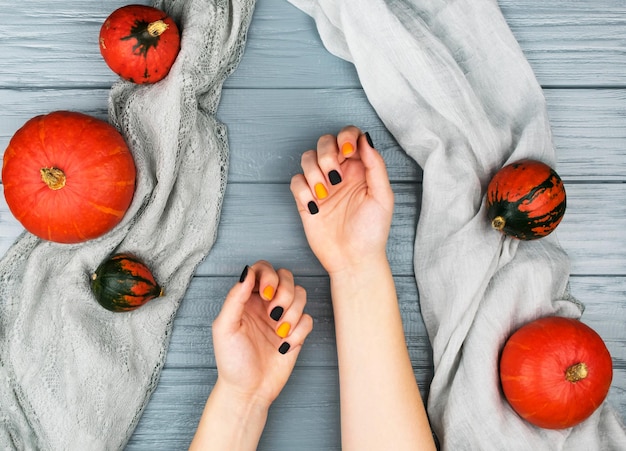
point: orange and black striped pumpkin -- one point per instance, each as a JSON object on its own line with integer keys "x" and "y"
{"x": 526, "y": 200}
{"x": 123, "y": 283}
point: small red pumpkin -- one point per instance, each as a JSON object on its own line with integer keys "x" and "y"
{"x": 68, "y": 177}
{"x": 123, "y": 283}
{"x": 555, "y": 372}
{"x": 139, "y": 43}
{"x": 526, "y": 200}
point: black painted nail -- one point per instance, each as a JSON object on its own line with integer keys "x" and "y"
{"x": 313, "y": 208}
{"x": 244, "y": 273}
{"x": 284, "y": 348}
{"x": 334, "y": 177}
{"x": 276, "y": 313}
{"x": 369, "y": 139}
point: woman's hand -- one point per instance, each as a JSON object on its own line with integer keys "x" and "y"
{"x": 259, "y": 332}
{"x": 345, "y": 200}
{"x": 257, "y": 337}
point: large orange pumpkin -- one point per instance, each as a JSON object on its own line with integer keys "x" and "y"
{"x": 68, "y": 177}
{"x": 555, "y": 372}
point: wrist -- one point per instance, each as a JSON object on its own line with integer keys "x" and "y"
{"x": 231, "y": 420}
{"x": 361, "y": 271}
{"x": 240, "y": 402}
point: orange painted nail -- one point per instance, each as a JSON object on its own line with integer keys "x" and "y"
{"x": 320, "y": 191}
{"x": 268, "y": 292}
{"x": 347, "y": 148}
{"x": 283, "y": 330}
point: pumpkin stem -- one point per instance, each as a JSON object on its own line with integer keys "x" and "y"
{"x": 53, "y": 177}
{"x": 498, "y": 223}
{"x": 576, "y": 372}
{"x": 157, "y": 28}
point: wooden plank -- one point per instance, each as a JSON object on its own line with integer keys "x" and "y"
{"x": 266, "y": 141}
{"x": 191, "y": 344}
{"x": 595, "y": 245}
{"x": 567, "y": 44}
{"x": 569, "y": 34}
{"x": 260, "y": 221}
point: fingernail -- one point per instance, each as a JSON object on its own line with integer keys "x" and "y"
{"x": 334, "y": 177}
{"x": 268, "y": 292}
{"x": 276, "y": 313}
{"x": 244, "y": 274}
{"x": 369, "y": 139}
{"x": 320, "y": 191}
{"x": 284, "y": 348}
{"x": 313, "y": 208}
{"x": 283, "y": 329}
{"x": 347, "y": 148}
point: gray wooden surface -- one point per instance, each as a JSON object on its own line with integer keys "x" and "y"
{"x": 287, "y": 91}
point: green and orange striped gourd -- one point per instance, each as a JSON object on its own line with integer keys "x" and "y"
{"x": 526, "y": 200}
{"x": 123, "y": 283}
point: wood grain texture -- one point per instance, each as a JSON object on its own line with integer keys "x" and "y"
{"x": 567, "y": 44}
{"x": 287, "y": 91}
{"x": 588, "y": 125}
{"x": 260, "y": 221}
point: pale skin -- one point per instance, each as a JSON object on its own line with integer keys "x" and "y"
{"x": 347, "y": 228}
{"x": 255, "y": 355}
{"x": 346, "y": 218}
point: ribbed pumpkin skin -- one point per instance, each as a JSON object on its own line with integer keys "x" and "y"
{"x": 123, "y": 283}
{"x": 98, "y": 172}
{"x": 526, "y": 200}
{"x": 139, "y": 43}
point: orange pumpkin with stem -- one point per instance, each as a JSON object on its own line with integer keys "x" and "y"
{"x": 68, "y": 177}
{"x": 139, "y": 43}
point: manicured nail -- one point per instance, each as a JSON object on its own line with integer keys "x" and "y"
{"x": 369, "y": 140}
{"x": 320, "y": 191}
{"x": 276, "y": 313}
{"x": 268, "y": 292}
{"x": 284, "y": 348}
{"x": 283, "y": 330}
{"x": 334, "y": 177}
{"x": 313, "y": 208}
{"x": 244, "y": 274}
{"x": 347, "y": 148}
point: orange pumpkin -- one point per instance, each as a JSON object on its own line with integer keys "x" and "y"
{"x": 555, "y": 372}
{"x": 139, "y": 43}
{"x": 68, "y": 177}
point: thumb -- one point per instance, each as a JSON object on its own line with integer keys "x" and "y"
{"x": 375, "y": 170}
{"x": 229, "y": 318}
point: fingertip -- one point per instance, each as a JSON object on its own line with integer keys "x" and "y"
{"x": 268, "y": 293}
{"x": 244, "y": 274}
{"x": 347, "y": 149}
{"x": 347, "y": 140}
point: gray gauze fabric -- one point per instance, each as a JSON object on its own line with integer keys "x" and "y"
{"x": 451, "y": 84}
{"x": 74, "y": 375}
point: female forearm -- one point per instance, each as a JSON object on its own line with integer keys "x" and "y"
{"x": 381, "y": 407}
{"x": 230, "y": 421}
